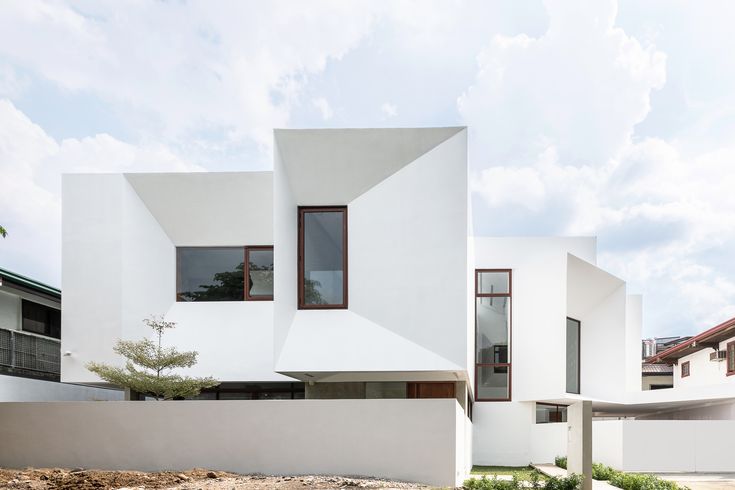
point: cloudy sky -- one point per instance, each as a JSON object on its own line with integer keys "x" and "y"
{"x": 586, "y": 117}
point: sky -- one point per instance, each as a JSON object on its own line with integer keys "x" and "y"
{"x": 603, "y": 118}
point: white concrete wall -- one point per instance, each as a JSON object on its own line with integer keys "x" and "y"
{"x": 548, "y": 441}
{"x": 633, "y": 335}
{"x": 702, "y": 371}
{"x": 647, "y": 381}
{"x": 407, "y": 248}
{"x": 413, "y": 440}
{"x": 539, "y": 307}
{"x": 17, "y": 389}
{"x": 665, "y": 445}
{"x": 502, "y": 433}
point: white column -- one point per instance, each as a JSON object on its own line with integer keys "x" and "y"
{"x": 579, "y": 441}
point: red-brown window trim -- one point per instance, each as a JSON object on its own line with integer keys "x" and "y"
{"x": 509, "y": 294}
{"x": 688, "y": 369}
{"x": 302, "y": 210}
{"x": 730, "y": 350}
{"x": 246, "y": 273}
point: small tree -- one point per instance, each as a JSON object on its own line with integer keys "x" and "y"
{"x": 3, "y": 232}
{"x": 149, "y": 365}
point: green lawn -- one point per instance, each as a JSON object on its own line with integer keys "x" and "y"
{"x": 523, "y": 472}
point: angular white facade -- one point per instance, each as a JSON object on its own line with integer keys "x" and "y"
{"x": 406, "y": 326}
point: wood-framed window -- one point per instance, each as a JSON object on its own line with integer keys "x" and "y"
{"x": 730, "y": 359}
{"x": 322, "y": 257}
{"x": 224, "y": 273}
{"x": 549, "y": 413}
{"x": 259, "y": 273}
{"x": 685, "y": 369}
{"x": 493, "y": 290}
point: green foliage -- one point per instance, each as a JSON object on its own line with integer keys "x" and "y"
{"x": 3, "y": 232}
{"x": 527, "y": 473}
{"x": 573, "y": 482}
{"x": 602, "y": 472}
{"x": 312, "y": 295}
{"x": 636, "y": 481}
{"x": 149, "y": 367}
{"x": 561, "y": 461}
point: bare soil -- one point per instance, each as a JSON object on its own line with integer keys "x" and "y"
{"x": 65, "y": 479}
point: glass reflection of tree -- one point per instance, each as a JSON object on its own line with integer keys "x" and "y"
{"x": 231, "y": 287}
{"x": 312, "y": 296}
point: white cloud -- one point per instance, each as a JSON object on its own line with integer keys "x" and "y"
{"x": 322, "y": 105}
{"x": 31, "y": 163}
{"x": 389, "y": 110}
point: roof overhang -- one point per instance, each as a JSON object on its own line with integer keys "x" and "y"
{"x": 709, "y": 339}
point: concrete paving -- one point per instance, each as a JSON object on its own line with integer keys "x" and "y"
{"x": 702, "y": 481}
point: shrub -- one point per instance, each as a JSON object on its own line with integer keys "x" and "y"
{"x": 633, "y": 481}
{"x": 486, "y": 483}
{"x": 561, "y": 462}
{"x": 572, "y": 482}
{"x": 602, "y": 472}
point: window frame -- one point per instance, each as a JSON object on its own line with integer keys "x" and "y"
{"x": 730, "y": 357}
{"x": 300, "y": 263}
{"x": 579, "y": 357}
{"x": 246, "y": 272}
{"x": 48, "y": 332}
{"x": 508, "y": 365}
{"x": 557, "y": 406}
{"x": 688, "y": 369}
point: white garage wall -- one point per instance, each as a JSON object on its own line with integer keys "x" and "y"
{"x": 17, "y": 389}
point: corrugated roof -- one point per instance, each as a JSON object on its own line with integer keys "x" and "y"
{"x": 657, "y": 369}
{"x": 20, "y": 280}
{"x": 707, "y": 339}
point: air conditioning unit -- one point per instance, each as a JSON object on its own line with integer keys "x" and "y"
{"x": 718, "y": 356}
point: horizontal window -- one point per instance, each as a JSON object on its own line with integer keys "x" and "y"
{"x": 493, "y": 282}
{"x": 224, "y": 273}
{"x": 41, "y": 319}
{"x": 547, "y": 413}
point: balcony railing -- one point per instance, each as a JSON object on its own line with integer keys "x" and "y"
{"x": 28, "y": 354}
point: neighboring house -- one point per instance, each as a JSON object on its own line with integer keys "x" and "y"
{"x": 351, "y": 271}
{"x": 30, "y": 343}
{"x": 657, "y": 376}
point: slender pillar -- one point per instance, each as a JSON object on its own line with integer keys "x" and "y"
{"x": 579, "y": 441}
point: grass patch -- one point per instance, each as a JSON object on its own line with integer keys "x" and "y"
{"x": 522, "y": 472}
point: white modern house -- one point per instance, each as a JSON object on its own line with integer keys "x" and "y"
{"x": 350, "y": 277}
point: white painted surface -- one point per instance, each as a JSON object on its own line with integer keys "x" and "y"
{"x": 702, "y": 371}
{"x": 548, "y": 441}
{"x": 413, "y": 440}
{"x": 335, "y": 166}
{"x": 17, "y": 389}
{"x": 633, "y": 335}
{"x": 502, "y": 433}
{"x": 579, "y": 441}
{"x": 210, "y": 208}
{"x": 398, "y": 227}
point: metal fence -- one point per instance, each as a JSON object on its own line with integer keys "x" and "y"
{"x": 27, "y": 352}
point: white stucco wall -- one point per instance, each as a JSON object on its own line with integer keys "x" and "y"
{"x": 548, "y": 441}
{"x": 17, "y": 389}
{"x": 385, "y": 438}
{"x": 502, "y": 433}
{"x": 403, "y": 214}
{"x": 702, "y": 371}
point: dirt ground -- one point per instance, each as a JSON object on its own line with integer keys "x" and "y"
{"x": 65, "y": 479}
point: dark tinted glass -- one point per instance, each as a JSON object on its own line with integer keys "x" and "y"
{"x": 260, "y": 273}
{"x": 573, "y": 327}
{"x": 323, "y": 259}
{"x": 41, "y": 319}
{"x": 210, "y": 274}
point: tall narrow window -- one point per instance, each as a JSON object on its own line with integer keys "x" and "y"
{"x": 685, "y": 369}
{"x": 259, "y": 273}
{"x": 573, "y": 351}
{"x": 730, "y": 358}
{"x": 492, "y": 335}
{"x": 322, "y": 257}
